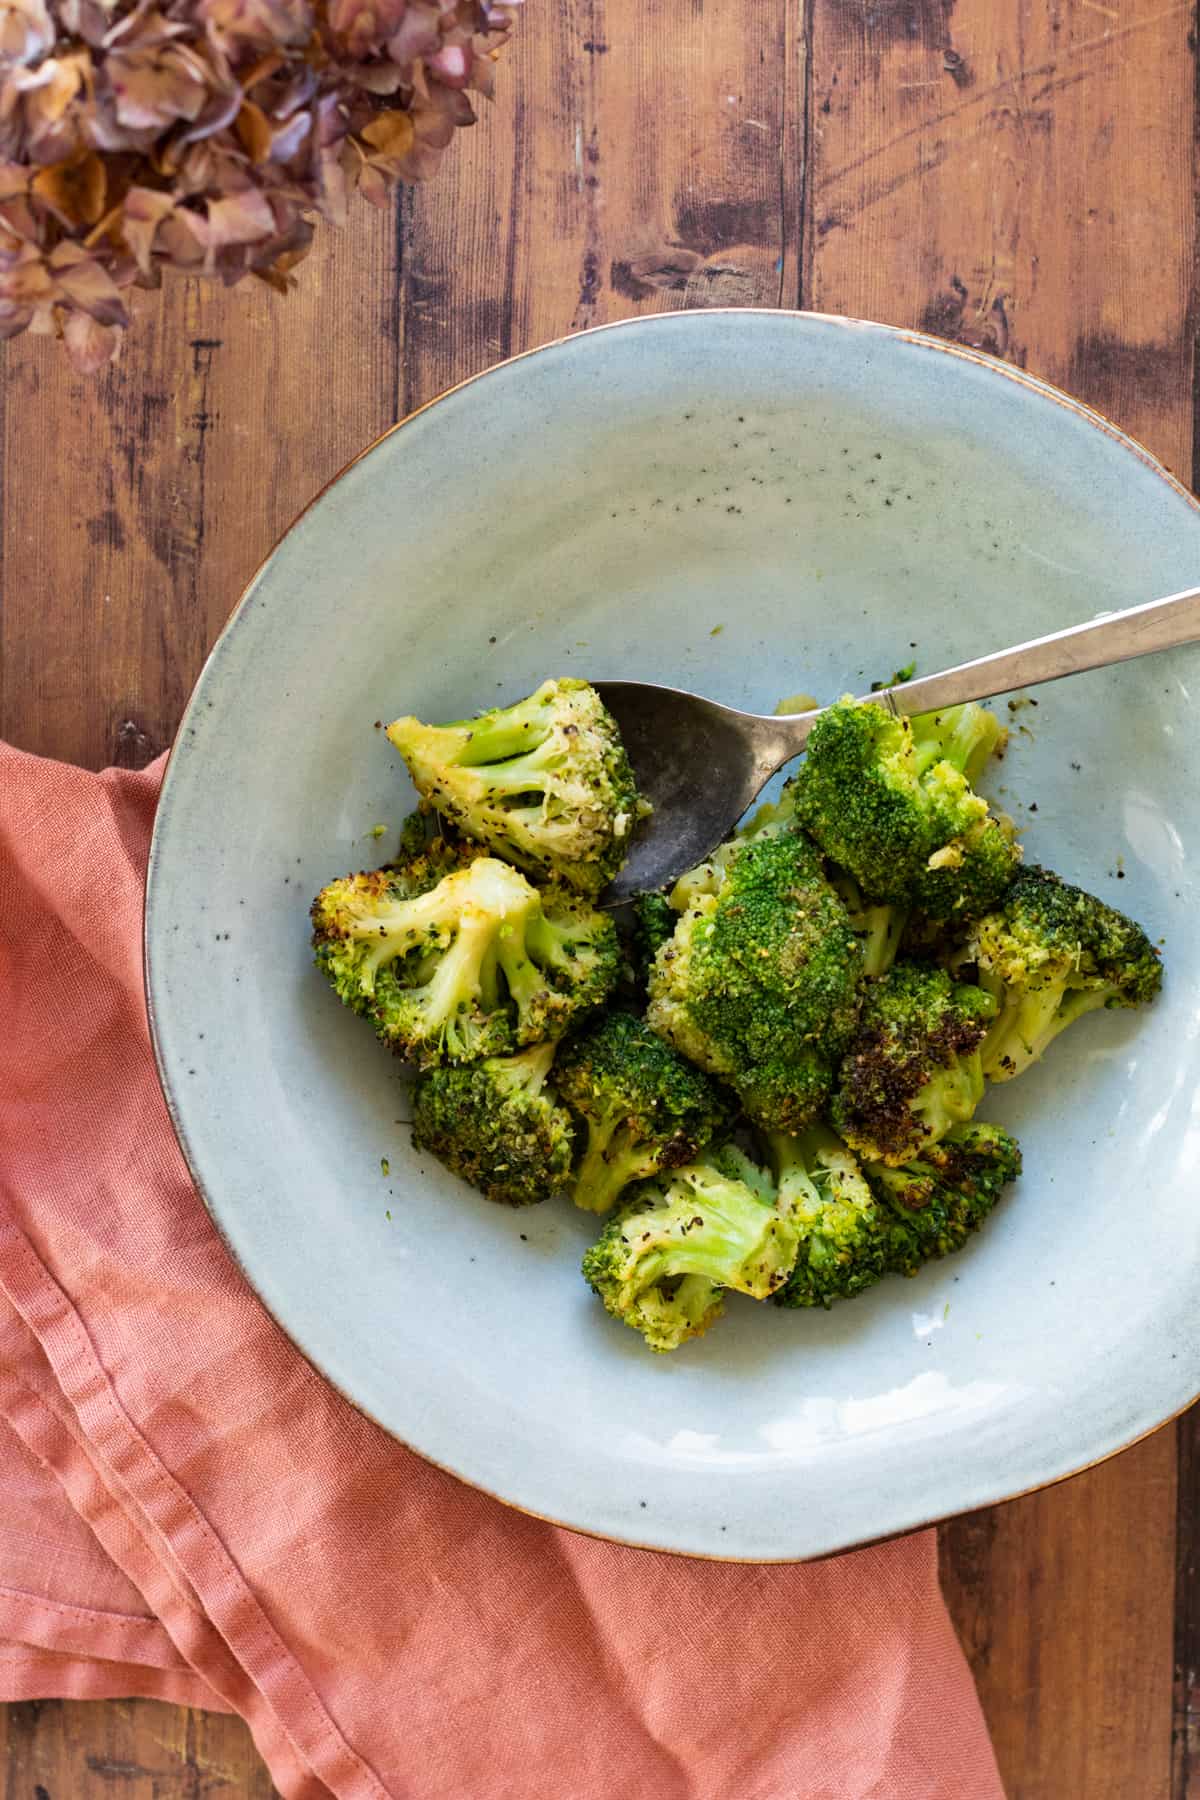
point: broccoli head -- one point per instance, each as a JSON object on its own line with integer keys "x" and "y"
{"x": 861, "y": 1221}
{"x": 664, "y": 1259}
{"x": 1050, "y": 954}
{"x": 545, "y": 783}
{"x": 842, "y": 1229}
{"x": 644, "y": 1107}
{"x": 498, "y": 1124}
{"x": 891, "y": 800}
{"x": 941, "y": 1197}
{"x": 913, "y": 1068}
{"x": 475, "y": 965}
{"x": 760, "y": 982}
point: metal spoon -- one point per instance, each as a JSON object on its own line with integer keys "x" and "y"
{"x": 702, "y": 765}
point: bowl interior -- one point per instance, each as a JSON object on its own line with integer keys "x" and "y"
{"x": 751, "y": 505}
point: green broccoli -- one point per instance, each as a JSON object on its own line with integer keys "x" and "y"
{"x": 475, "y": 965}
{"x": 879, "y": 927}
{"x": 545, "y": 783}
{"x": 843, "y": 1230}
{"x": 498, "y": 1124}
{"x": 644, "y": 1107}
{"x": 890, "y": 800}
{"x": 760, "y": 982}
{"x": 664, "y": 1260}
{"x": 653, "y": 921}
{"x": 913, "y": 1068}
{"x": 861, "y": 1221}
{"x": 1050, "y": 954}
{"x": 940, "y": 1198}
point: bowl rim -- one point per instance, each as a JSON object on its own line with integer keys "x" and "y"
{"x": 992, "y": 365}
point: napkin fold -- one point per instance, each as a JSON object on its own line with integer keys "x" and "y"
{"x": 188, "y": 1511}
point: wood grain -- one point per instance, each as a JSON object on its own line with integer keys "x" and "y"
{"x": 1016, "y": 177}
{"x": 126, "y": 1750}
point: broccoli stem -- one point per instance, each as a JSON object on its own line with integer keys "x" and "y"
{"x": 495, "y": 737}
{"x": 964, "y": 736}
{"x": 723, "y": 1230}
{"x": 1029, "y": 1022}
{"x": 882, "y": 928}
{"x": 526, "y": 1071}
{"x": 609, "y": 1163}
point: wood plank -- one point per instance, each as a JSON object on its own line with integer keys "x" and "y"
{"x": 1185, "y": 1745}
{"x": 126, "y": 1750}
{"x": 1063, "y": 1604}
{"x": 635, "y": 164}
{"x": 1011, "y": 177}
{"x": 136, "y": 507}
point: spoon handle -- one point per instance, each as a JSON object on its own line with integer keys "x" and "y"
{"x": 1111, "y": 638}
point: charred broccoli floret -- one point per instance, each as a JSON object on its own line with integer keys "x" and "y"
{"x": 475, "y": 965}
{"x": 891, "y": 800}
{"x": 644, "y": 1107}
{"x": 663, "y": 1262}
{"x": 545, "y": 783}
{"x": 842, "y": 1230}
{"x": 1050, "y": 954}
{"x": 498, "y": 1124}
{"x": 861, "y": 1221}
{"x": 942, "y": 1196}
{"x": 760, "y": 982}
{"x": 913, "y": 1068}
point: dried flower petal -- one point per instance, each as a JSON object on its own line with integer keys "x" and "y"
{"x": 241, "y": 219}
{"x": 75, "y": 191}
{"x": 26, "y": 30}
{"x": 208, "y": 135}
{"x": 90, "y": 346}
{"x": 143, "y": 213}
{"x": 88, "y": 286}
{"x": 391, "y": 133}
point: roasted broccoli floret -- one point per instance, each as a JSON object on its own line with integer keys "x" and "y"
{"x": 861, "y": 1221}
{"x": 760, "y": 982}
{"x": 664, "y": 1260}
{"x": 891, "y": 800}
{"x": 1050, "y": 954}
{"x": 643, "y": 1106}
{"x": 546, "y": 783}
{"x": 843, "y": 1231}
{"x": 474, "y": 966}
{"x": 945, "y": 1194}
{"x": 913, "y": 1068}
{"x": 498, "y": 1124}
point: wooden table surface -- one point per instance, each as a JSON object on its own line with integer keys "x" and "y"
{"x": 1012, "y": 174}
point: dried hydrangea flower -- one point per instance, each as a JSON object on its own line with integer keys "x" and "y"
{"x": 208, "y": 135}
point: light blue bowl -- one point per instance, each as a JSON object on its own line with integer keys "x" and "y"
{"x": 750, "y": 504}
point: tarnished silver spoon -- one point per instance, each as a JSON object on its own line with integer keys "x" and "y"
{"x": 702, "y": 765}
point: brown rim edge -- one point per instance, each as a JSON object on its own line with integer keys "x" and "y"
{"x": 923, "y": 340}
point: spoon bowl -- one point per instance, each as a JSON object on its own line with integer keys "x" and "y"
{"x": 702, "y": 765}
{"x": 699, "y": 764}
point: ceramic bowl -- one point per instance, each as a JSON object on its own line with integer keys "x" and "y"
{"x": 750, "y": 504}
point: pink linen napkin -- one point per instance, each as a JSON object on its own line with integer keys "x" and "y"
{"x": 188, "y": 1511}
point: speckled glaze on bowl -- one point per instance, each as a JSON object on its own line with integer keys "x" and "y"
{"x": 750, "y": 504}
